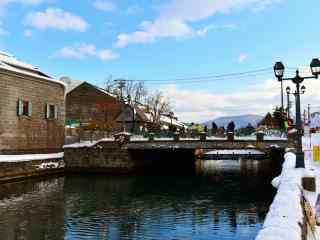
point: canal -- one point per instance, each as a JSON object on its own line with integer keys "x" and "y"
{"x": 217, "y": 200}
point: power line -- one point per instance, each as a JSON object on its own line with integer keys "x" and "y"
{"x": 211, "y": 80}
{"x": 263, "y": 72}
{"x": 205, "y": 77}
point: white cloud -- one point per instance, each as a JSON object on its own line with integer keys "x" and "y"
{"x": 199, "y": 106}
{"x": 174, "y": 18}
{"x": 56, "y": 18}
{"x": 81, "y": 51}
{"x": 104, "y": 5}
{"x": 27, "y": 33}
{"x": 149, "y": 31}
{"x": 242, "y": 57}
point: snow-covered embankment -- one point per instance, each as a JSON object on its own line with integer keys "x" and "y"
{"x": 26, "y": 165}
{"x": 285, "y": 217}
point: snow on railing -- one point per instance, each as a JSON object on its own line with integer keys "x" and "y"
{"x": 285, "y": 214}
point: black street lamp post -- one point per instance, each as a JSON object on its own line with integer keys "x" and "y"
{"x": 279, "y": 65}
{"x": 288, "y": 102}
{"x": 279, "y": 72}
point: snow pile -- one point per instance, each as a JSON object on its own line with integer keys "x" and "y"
{"x": 83, "y": 144}
{"x": 215, "y": 138}
{"x": 30, "y": 157}
{"x": 50, "y": 165}
{"x": 266, "y": 137}
{"x": 163, "y": 139}
{"x": 285, "y": 213}
{"x": 236, "y": 151}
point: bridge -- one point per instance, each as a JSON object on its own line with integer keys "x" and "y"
{"x": 207, "y": 144}
{"x": 130, "y": 154}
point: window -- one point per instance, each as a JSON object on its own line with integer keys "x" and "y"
{"x": 51, "y": 111}
{"x": 24, "y": 108}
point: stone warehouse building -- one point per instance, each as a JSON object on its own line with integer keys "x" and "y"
{"x": 32, "y": 111}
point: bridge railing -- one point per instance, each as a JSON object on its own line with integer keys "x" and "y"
{"x": 200, "y": 137}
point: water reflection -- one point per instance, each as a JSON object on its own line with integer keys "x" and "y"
{"x": 32, "y": 210}
{"x": 201, "y": 206}
{"x": 249, "y": 167}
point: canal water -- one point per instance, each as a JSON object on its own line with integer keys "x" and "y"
{"x": 219, "y": 200}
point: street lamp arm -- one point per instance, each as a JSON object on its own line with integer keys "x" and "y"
{"x": 311, "y": 77}
{"x": 293, "y": 78}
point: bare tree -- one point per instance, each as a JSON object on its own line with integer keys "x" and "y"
{"x": 108, "y": 85}
{"x": 136, "y": 91}
{"x": 158, "y": 105}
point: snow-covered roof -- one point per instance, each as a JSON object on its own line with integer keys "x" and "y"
{"x": 10, "y": 63}
{"x": 10, "y": 59}
{"x": 72, "y": 84}
{"x": 173, "y": 121}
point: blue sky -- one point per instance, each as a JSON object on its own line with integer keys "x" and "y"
{"x": 168, "y": 39}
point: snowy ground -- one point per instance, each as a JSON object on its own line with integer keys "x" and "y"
{"x": 235, "y": 151}
{"x": 285, "y": 213}
{"x": 30, "y": 157}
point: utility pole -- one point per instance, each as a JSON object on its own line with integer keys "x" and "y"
{"x": 309, "y": 114}
{"x": 121, "y": 85}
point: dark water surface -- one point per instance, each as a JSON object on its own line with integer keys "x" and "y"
{"x": 222, "y": 200}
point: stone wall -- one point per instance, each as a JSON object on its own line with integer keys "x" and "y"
{"x": 104, "y": 156}
{"x": 19, "y": 170}
{"x": 114, "y": 158}
{"x": 34, "y": 134}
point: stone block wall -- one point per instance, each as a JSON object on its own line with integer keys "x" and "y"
{"x": 34, "y": 134}
{"x": 104, "y": 156}
{"x": 19, "y": 170}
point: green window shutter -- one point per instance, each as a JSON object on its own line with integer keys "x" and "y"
{"x": 55, "y": 112}
{"x": 19, "y": 107}
{"x": 47, "y": 111}
{"x": 30, "y": 109}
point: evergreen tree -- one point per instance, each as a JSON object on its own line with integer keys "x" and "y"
{"x": 279, "y": 117}
{"x": 231, "y": 127}
{"x": 214, "y": 128}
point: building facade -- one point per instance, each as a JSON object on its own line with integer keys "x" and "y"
{"x": 93, "y": 113}
{"x": 90, "y": 107}
{"x": 32, "y": 110}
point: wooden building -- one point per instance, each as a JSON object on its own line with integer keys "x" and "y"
{"x": 269, "y": 121}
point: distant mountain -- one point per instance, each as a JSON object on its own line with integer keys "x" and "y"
{"x": 240, "y": 121}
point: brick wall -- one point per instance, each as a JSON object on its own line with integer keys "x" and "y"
{"x": 88, "y": 104}
{"x": 30, "y": 134}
